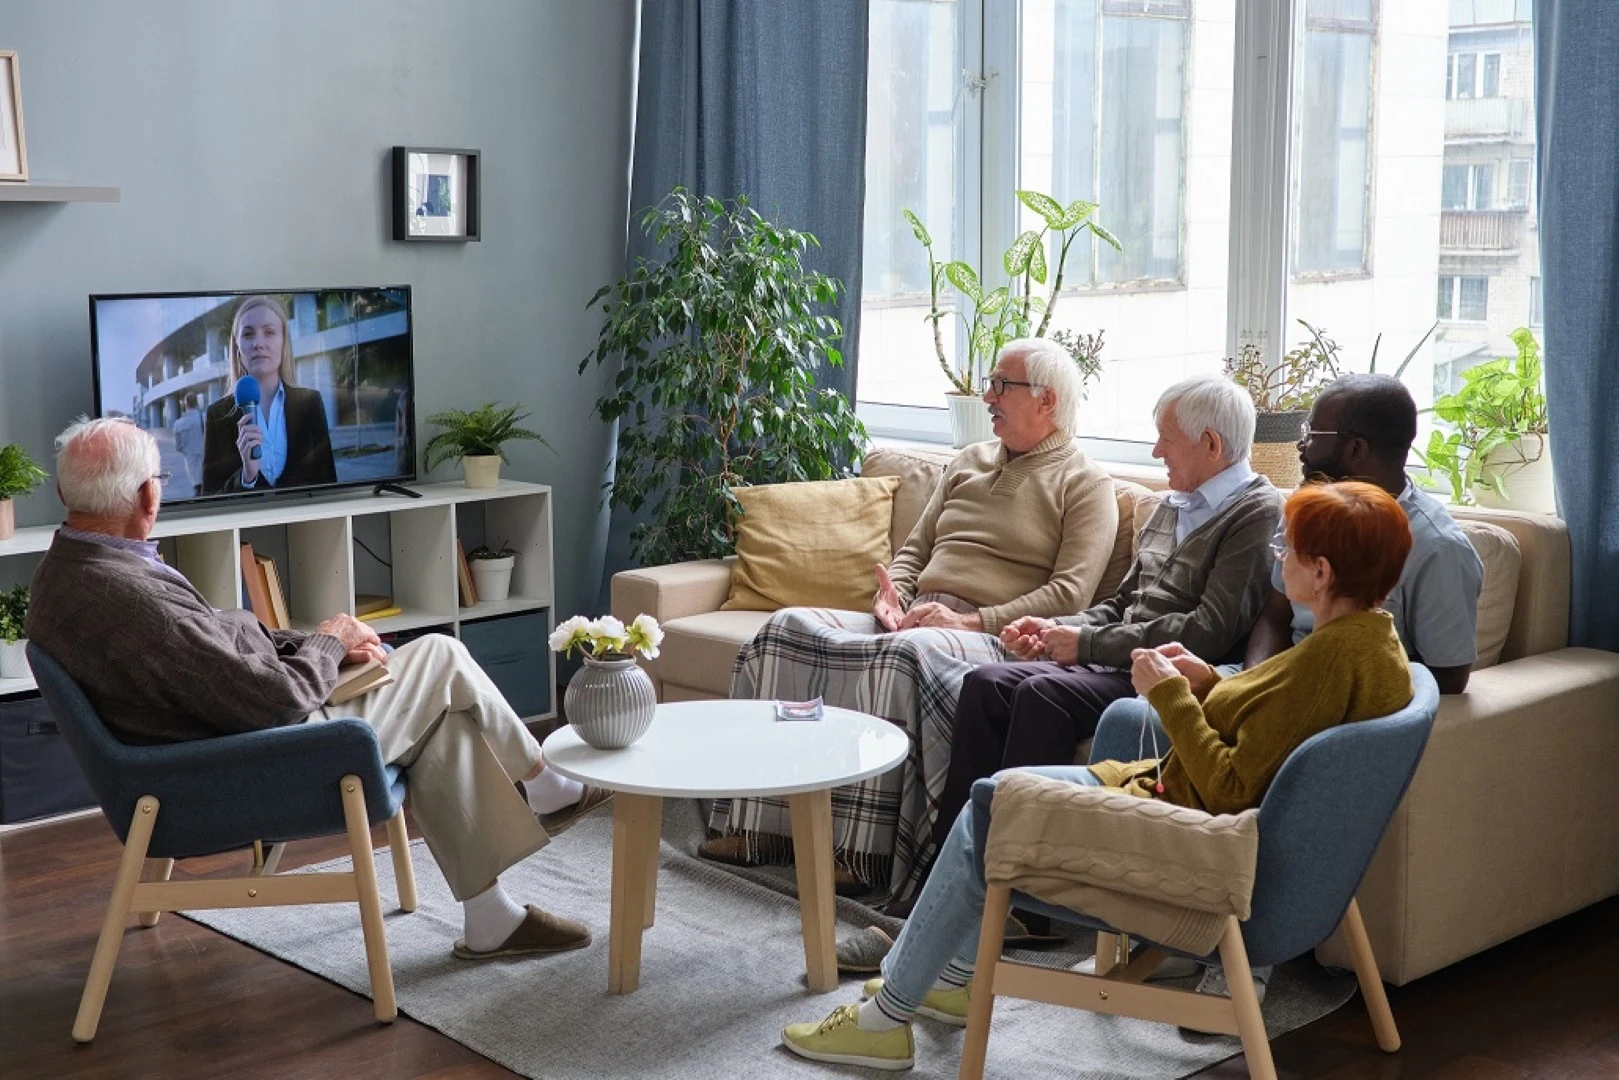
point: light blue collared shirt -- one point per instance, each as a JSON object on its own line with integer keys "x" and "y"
{"x": 275, "y": 436}
{"x": 1197, "y": 508}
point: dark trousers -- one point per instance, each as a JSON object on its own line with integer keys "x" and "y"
{"x": 1024, "y": 713}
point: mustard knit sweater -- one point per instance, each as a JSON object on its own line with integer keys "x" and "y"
{"x": 1228, "y": 748}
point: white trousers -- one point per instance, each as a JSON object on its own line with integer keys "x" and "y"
{"x": 461, "y": 746}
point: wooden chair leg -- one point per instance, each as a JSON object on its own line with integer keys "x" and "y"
{"x": 404, "y": 871}
{"x": 1107, "y": 951}
{"x": 112, "y": 927}
{"x": 981, "y": 998}
{"x": 1239, "y": 978}
{"x": 156, "y": 870}
{"x": 1371, "y": 980}
{"x": 365, "y": 885}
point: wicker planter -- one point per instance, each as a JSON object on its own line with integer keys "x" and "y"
{"x": 1276, "y": 447}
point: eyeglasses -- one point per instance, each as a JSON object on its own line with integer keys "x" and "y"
{"x": 162, "y": 478}
{"x": 1305, "y": 431}
{"x": 999, "y": 385}
{"x": 1279, "y": 548}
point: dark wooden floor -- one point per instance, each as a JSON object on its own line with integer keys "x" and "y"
{"x": 187, "y": 1002}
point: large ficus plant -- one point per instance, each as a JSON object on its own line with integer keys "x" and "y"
{"x": 718, "y": 337}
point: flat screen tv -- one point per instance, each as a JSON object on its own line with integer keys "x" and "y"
{"x": 250, "y": 394}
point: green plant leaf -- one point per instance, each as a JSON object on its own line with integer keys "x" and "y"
{"x": 994, "y": 301}
{"x": 1106, "y": 237}
{"x": 1076, "y": 212}
{"x": 1044, "y": 205}
{"x": 1018, "y": 255}
{"x": 1037, "y": 263}
{"x": 963, "y": 277}
{"x": 918, "y": 230}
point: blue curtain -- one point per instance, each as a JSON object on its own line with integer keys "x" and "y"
{"x": 767, "y": 100}
{"x": 1577, "y": 120}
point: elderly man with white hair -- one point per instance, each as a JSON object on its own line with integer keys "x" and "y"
{"x": 1020, "y": 526}
{"x": 161, "y": 665}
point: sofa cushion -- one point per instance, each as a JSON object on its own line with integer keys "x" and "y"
{"x": 1498, "y": 551}
{"x": 1131, "y": 497}
{"x": 699, "y": 651}
{"x": 919, "y": 470}
{"x": 811, "y": 544}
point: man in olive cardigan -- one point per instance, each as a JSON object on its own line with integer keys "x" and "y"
{"x": 161, "y": 664}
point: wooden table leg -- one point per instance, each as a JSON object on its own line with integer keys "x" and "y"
{"x": 652, "y": 872}
{"x": 812, "y": 847}
{"x": 637, "y": 820}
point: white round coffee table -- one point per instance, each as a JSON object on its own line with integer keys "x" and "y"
{"x": 719, "y": 749}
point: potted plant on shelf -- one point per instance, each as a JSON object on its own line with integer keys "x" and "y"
{"x": 1009, "y": 311}
{"x": 477, "y": 438}
{"x": 492, "y": 570}
{"x": 13, "y": 640}
{"x": 19, "y": 475}
{"x": 718, "y": 338}
{"x": 610, "y": 701}
{"x": 1498, "y": 433}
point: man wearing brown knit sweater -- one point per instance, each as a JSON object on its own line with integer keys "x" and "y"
{"x": 161, "y": 664}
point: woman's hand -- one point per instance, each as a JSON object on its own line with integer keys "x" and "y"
{"x": 248, "y": 435}
{"x": 1200, "y": 675}
{"x": 937, "y": 615}
{"x": 1148, "y": 668}
{"x": 1060, "y": 643}
{"x": 887, "y": 607}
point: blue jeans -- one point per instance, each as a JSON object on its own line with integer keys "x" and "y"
{"x": 944, "y": 924}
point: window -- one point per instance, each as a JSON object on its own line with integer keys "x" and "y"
{"x": 1519, "y": 174}
{"x": 1485, "y": 12}
{"x": 1473, "y": 75}
{"x": 1332, "y": 131}
{"x": 1537, "y": 312}
{"x": 1464, "y": 299}
{"x": 1465, "y": 75}
{"x": 1467, "y": 187}
{"x": 1491, "y": 72}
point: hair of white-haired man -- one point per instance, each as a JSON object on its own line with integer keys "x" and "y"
{"x": 1212, "y": 403}
{"x": 102, "y": 465}
{"x": 1047, "y": 364}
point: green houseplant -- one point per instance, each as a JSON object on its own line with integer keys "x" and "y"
{"x": 718, "y": 336}
{"x": 1498, "y": 428}
{"x": 491, "y": 569}
{"x": 1283, "y": 396}
{"x": 477, "y": 438}
{"x": 992, "y": 316}
{"x": 13, "y": 638}
{"x": 19, "y": 475}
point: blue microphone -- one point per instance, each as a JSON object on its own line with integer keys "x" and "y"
{"x": 247, "y": 399}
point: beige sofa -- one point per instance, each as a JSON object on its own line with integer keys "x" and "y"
{"x": 1500, "y": 831}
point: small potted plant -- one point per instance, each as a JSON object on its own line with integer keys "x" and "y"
{"x": 19, "y": 475}
{"x": 1283, "y": 396}
{"x": 13, "y": 611}
{"x": 610, "y": 700}
{"x": 476, "y": 438}
{"x": 492, "y": 570}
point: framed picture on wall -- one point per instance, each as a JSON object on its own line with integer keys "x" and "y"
{"x": 435, "y": 194}
{"x": 13, "y": 151}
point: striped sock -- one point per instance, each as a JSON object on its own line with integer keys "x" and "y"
{"x": 884, "y": 1011}
{"x": 956, "y": 974}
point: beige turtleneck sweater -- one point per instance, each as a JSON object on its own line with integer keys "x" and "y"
{"x": 1030, "y": 535}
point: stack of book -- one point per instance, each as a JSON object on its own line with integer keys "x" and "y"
{"x": 261, "y": 584}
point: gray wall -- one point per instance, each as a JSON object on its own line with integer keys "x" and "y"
{"x": 251, "y": 144}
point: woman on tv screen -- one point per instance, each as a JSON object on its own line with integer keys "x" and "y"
{"x": 268, "y": 433}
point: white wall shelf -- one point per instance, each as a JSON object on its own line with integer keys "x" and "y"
{"x": 56, "y": 191}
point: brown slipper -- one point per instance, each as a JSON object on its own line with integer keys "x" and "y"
{"x": 558, "y": 822}
{"x": 540, "y": 932}
{"x": 730, "y": 850}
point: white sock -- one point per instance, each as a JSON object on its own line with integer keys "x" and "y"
{"x": 490, "y": 917}
{"x": 551, "y": 791}
{"x": 873, "y": 1018}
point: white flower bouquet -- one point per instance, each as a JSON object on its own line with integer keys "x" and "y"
{"x": 607, "y": 638}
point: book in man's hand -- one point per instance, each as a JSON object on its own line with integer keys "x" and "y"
{"x": 356, "y": 679}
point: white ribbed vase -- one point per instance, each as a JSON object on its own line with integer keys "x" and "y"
{"x": 610, "y": 702}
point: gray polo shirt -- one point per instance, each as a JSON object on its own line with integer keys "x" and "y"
{"x": 1435, "y": 603}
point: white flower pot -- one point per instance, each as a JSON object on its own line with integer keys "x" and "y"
{"x": 610, "y": 703}
{"x": 1526, "y": 468}
{"x": 14, "y": 660}
{"x": 8, "y": 520}
{"x": 481, "y": 470}
{"x": 492, "y": 578}
{"x": 969, "y": 420}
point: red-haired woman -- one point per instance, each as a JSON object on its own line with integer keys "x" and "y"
{"x": 1345, "y": 546}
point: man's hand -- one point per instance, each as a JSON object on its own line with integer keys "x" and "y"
{"x": 937, "y": 615}
{"x": 1061, "y": 643}
{"x": 1021, "y": 637}
{"x": 1148, "y": 668}
{"x": 1200, "y": 675}
{"x": 359, "y": 639}
{"x": 888, "y": 609}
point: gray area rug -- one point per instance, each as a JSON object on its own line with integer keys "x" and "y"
{"x": 721, "y": 974}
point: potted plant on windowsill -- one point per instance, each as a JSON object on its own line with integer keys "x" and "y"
{"x": 477, "y": 438}
{"x": 1498, "y": 434}
{"x": 492, "y": 571}
{"x": 19, "y": 475}
{"x": 1007, "y": 312}
{"x": 1283, "y": 395}
{"x": 13, "y": 640}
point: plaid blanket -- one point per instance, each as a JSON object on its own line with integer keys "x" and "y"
{"x": 882, "y": 827}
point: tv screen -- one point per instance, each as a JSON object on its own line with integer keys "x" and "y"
{"x": 253, "y": 393}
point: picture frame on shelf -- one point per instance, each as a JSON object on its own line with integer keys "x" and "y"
{"x": 436, "y": 194}
{"x": 13, "y": 147}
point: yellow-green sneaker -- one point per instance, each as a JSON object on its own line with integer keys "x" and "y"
{"x": 946, "y": 1006}
{"x": 840, "y": 1040}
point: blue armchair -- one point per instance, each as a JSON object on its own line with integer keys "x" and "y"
{"x": 1319, "y": 825}
{"x": 189, "y": 799}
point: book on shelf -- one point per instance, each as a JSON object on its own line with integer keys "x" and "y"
{"x": 256, "y": 589}
{"x": 277, "y": 595}
{"x": 381, "y": 613}
{"x": 356, "y": 679}
{"x": 367, "y": 603}
{"x": 469, "y": 589}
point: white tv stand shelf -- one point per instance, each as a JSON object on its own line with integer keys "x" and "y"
{"x": 322, "y": 567}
